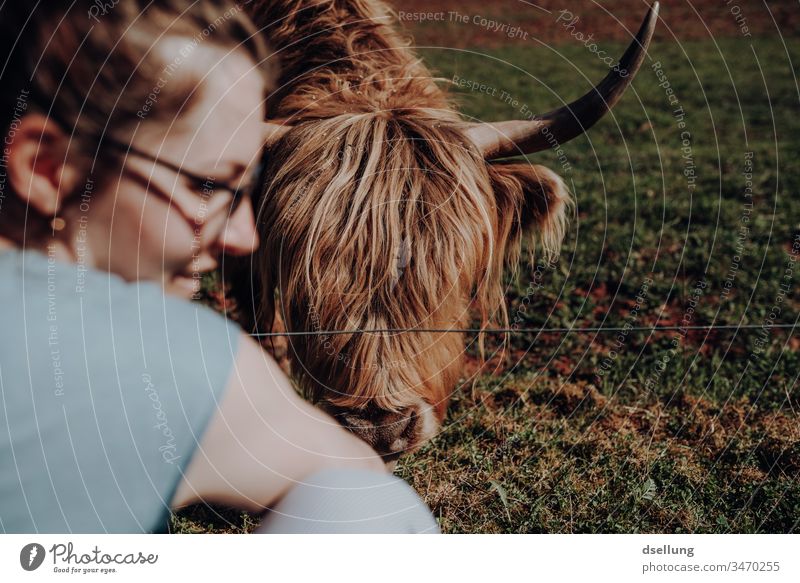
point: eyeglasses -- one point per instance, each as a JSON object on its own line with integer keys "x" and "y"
{"x": 205, "y": 184}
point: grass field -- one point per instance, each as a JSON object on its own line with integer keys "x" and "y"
{"x": 637, "y": 430}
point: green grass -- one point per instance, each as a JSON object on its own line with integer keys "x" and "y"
{"x": 711, "y": 443}
{"x": 637, "y": 218}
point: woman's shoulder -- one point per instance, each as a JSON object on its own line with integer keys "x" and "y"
{"x": 112, "y": 378}
{"x": 97, "y": 321}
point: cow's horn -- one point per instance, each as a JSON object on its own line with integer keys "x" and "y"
{"x": 512, "y": 138}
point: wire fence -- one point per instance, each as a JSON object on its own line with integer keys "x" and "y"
{"x": 599, "y": 329}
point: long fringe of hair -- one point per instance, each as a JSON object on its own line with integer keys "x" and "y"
{"x": 379, "y": 213}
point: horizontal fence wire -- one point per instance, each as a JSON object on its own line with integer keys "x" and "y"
{"x": 731, "y": 327}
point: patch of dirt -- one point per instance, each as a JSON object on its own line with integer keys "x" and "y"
{"x": 569, "y": 398}
{"x": 569, "y": 456}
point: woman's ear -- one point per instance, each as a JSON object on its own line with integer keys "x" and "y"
{"x": 38, "y": 168}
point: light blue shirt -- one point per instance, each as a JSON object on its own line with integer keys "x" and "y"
{"x": 106, "y": 388}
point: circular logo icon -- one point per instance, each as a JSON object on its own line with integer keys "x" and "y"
{"x": 31, "y": 556}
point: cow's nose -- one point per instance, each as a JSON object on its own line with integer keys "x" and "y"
{"x": 390, "y": 433}
{"x": 402, "y": 432}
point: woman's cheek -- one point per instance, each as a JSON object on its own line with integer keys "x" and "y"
{"x": 165, "y": 245}
{"x": 178, "y": 240}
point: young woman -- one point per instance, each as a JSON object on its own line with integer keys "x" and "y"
{"x": 131, "y": 137}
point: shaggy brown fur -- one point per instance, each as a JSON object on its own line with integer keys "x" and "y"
{"x": 379, "y": 213}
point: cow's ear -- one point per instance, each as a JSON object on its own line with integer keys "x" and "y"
{"x": 531, "y": 198}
